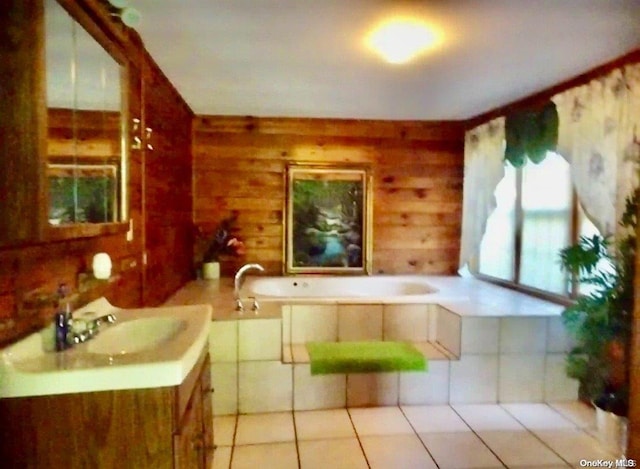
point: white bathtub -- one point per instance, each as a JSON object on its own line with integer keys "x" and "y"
{"x": 399, "y": 289}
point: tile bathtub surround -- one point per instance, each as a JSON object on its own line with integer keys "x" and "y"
{"x": 448, "y": 327}
{"x": 359, "y": 322}
{"x": 223, "y": 341}
{"x": 531, "y": 375}
{"x": 264, "y": 386}
{"x": 430, "y": 387}
{"x": 462, "y": 436}
{"x": 523, "y": 335}
{"x": 259, "y": 339}
{"x": 224, "y": 377}
{"x": 557, "y": 385}
{"x": 314, "y": 323}
{"x": 480, "y": 335}
{"x": 372, "y": 389}
{"x": 521, "y": 378}
{"x": 474, "y": 380}
{"x": 406, "y": 322}
{"x": 503, "y": 359}
{"x": 317, "y": 392}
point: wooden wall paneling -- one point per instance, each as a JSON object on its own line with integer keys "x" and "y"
{"x": 42, "y": 267}
{"x": 167, "y": 181}
{"x": 22, "y": 121}
{"x": 240, "y": 162}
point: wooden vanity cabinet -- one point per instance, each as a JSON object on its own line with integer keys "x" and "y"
{"x": 193, "y": 440}
{"x": 170, "y": 427}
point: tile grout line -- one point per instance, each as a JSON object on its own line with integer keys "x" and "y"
{"x": 479, "y": 437}
{"x": 355, "y": 430}
{"x": 293, "y": 385}
{"x": 233, "y": 440}
{"x": 415, "y": 432}
{"x": 295, "y": 437}
{"x": 536, "y": 436}
{"x": 235, "y": 428}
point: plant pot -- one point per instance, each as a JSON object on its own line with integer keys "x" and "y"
{"x": 211, "y": 270}
{"x": 612, "y": 431}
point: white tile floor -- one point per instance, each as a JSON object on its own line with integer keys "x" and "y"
{"x": 407, "y": 437}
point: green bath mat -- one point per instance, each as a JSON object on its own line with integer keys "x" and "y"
{"x": 364, "y": 357}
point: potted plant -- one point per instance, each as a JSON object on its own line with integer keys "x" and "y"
{"x": 210, "y": 246}
{"x": 599, "y": 321}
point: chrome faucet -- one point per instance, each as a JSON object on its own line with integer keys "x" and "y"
{"x": 90, "y": 329}
{"x": 94, "y": 324}
{"x": 237, "y": 285}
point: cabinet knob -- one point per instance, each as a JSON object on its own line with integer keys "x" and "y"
{"x": 209, "y": 390}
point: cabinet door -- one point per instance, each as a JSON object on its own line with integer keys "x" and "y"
{"x": 188, "y": 444}
{"x": 207, "y": 412}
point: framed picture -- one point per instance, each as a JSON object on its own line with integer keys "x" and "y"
{"x": 328, "y": 220}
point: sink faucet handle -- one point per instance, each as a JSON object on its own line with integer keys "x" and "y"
{"x": 239, "y": 306}
{"x": 255, "y": 307}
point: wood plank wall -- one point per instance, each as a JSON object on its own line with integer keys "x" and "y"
{"x": 240, "y": 162}
{"x": 168, "y": 198}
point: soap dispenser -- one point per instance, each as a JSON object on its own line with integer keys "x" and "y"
{"x": 62, "y": 318}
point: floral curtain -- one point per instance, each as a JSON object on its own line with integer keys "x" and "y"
{"x": 483, "y": 170}
{"x": 599, "y": 135}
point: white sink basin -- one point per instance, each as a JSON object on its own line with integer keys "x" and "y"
{"x": 145, "y": 348}
{"x": 136, "y": 335}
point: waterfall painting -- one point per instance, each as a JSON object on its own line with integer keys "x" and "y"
{"x": 328, "y": 220}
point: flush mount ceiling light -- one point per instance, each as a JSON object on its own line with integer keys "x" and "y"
{"x": 130, "y": 16}
{"x": 399, "y": 40}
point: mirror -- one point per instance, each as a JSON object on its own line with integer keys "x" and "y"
{"x": 86, "y": 151}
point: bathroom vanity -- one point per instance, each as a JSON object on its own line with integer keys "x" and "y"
{"x": 137, "y": 395}
{"x": 167, "y": 427}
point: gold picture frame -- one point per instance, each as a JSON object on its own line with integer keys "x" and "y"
{"x": 328, "y": 220}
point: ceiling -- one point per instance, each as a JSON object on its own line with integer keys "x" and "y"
{"x": 307, "y": 58}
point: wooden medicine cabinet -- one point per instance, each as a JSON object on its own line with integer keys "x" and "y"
{"x": 63, "y": 123}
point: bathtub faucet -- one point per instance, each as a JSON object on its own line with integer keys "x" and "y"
{"x": 237, "y": 285}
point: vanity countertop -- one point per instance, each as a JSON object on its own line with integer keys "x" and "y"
{"x": 145, "y": 348}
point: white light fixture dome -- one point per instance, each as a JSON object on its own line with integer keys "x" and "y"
{"x": 402, "y": 39}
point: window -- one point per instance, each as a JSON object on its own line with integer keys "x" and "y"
{"x": 547, "y": 202}
{"x": 536, "y": 216}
